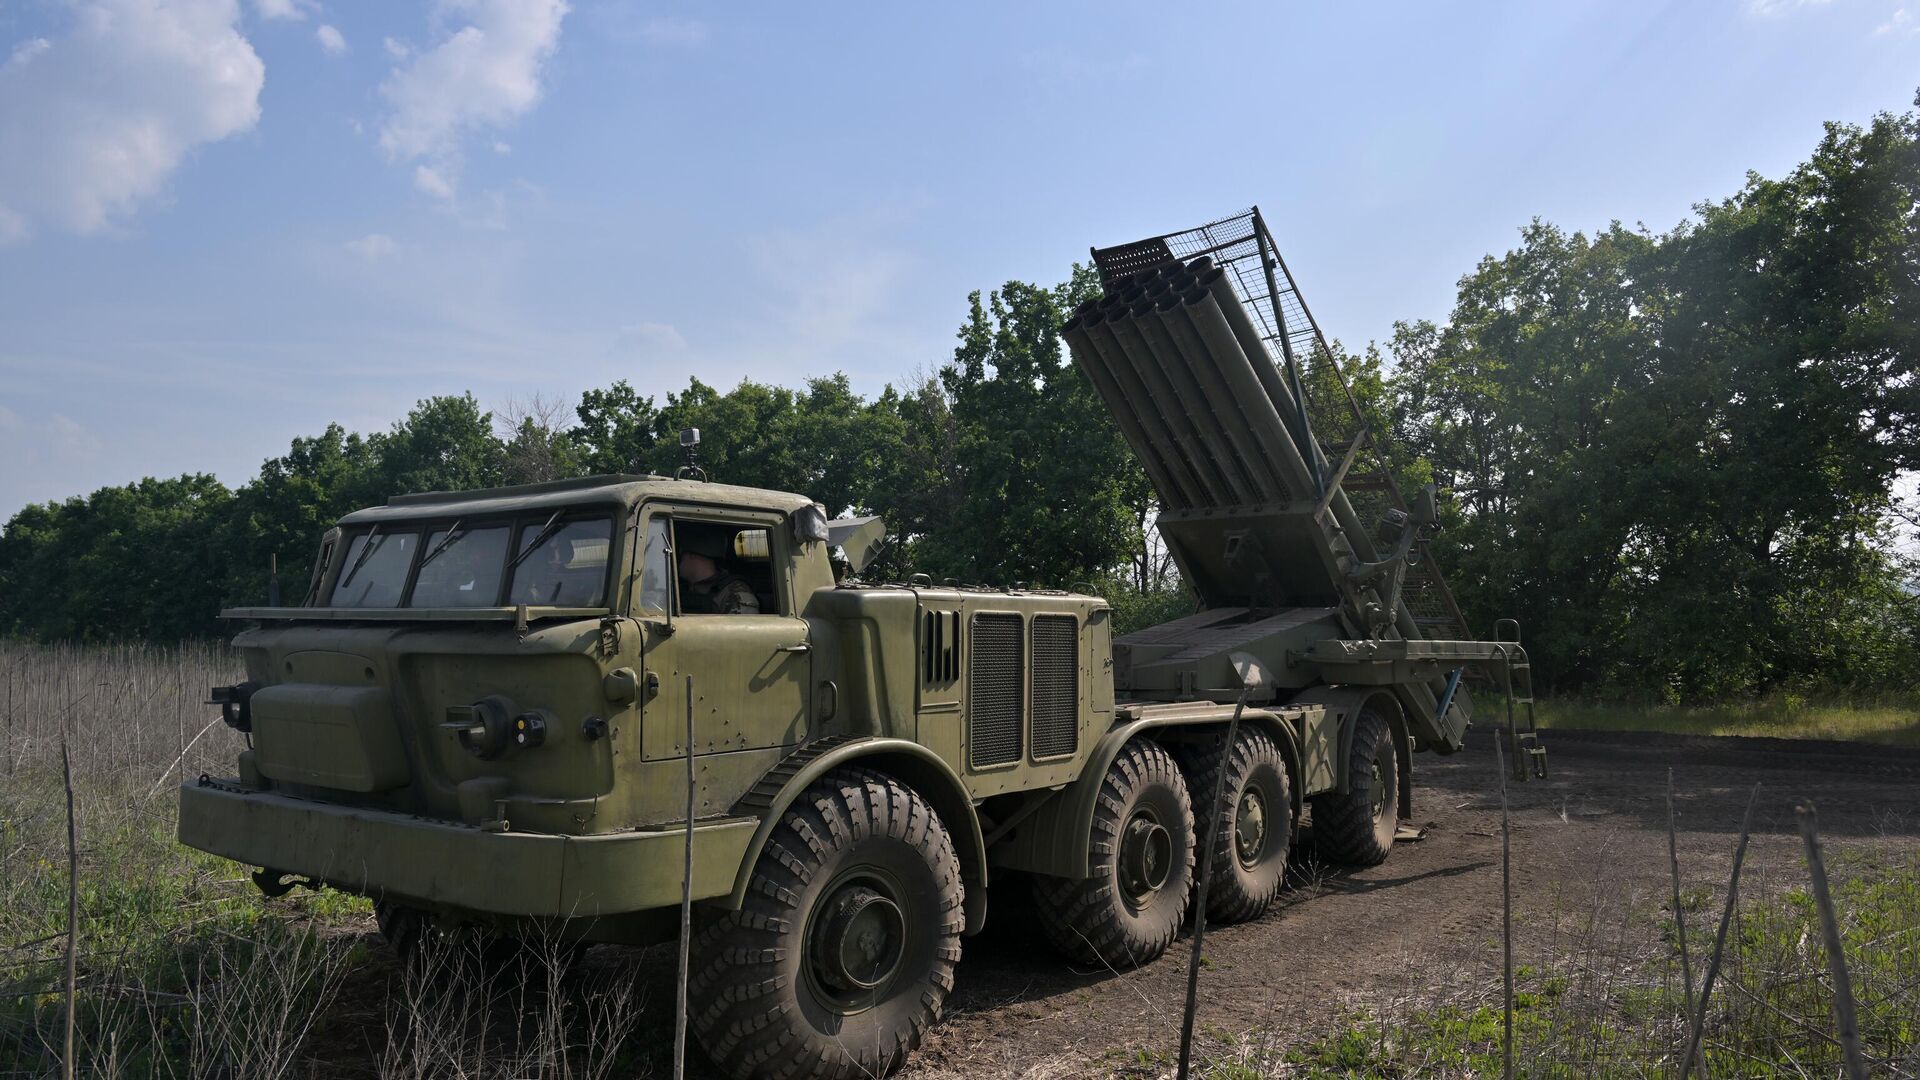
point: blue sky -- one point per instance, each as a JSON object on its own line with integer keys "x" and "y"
{"x": 225, "y": 223}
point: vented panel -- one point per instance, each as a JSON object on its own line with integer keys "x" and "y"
{"x": 993, "y": 690}
{"x": 939, "y": 647}
{"x": 1056, "y": 685}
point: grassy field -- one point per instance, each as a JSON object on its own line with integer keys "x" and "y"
{"x": 1895, "y": 722}
{"x": 184, "y": 970}
{"x": 1611, "y": 1000}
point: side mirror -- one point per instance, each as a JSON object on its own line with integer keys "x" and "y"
{"x": 810, "y": 524}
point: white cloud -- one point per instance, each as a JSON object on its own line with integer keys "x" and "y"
{"x": 429, "y": 180}
{"x": 485, "y": 74}
{"x": 501, "y": 147}
{"x": 68, "y": 437}
{"x": 1770, "y": 8}
{"x": 29, "y": 49}
{"x": 13, "y": 227}
{"x": 831, "y": 285}
{"x": 373, "y": 247}
{"x": 650, "y": 337}
{"x": 279, "y": 9}
{"x": 673, "y": 30}
{"x": 331, "y": 40}
{"x": 1902, "y": 23}
{"x": 94, "y": 121}
{"x": 396, "y": 49}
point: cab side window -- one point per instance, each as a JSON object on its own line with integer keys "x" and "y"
{"x": 655, "y": 586}
{"x": 722, "y": 568}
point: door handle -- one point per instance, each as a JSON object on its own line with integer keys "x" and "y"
{"x": 801, "y": 647}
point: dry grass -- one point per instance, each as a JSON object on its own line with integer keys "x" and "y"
{"x": 1601, "y": 996}
{"x": 184, "y": 969}
{"x": 1893, "y": 721}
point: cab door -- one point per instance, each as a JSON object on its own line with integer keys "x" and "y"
{"x": 750, "y": 672}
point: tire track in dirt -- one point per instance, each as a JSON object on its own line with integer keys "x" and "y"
{"x": 1427, "y": 921}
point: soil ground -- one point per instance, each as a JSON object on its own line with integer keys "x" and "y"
{"x": 1591, "y": 836}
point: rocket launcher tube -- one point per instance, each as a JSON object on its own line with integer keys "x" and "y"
{"x": 1152, "y": 424}
{"x": 1203, "y": 307}
{"x": 1177, "y": 331}
{"x": 1215, "y": 282}
{"x": 1184, "y": 489}
{"x": 1080, "y": 345}
{"x": 1167, "y": 407}
{"x": 1236, "y": 462}
{"x": 1264, "y": 423}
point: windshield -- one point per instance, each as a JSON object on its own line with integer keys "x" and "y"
{"x": 568, "y": 568}
{"x": 462, "y": 570}
{"x": 375, "y": 569}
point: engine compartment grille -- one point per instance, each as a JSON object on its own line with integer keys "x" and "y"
{"x": 1055, "y": 695}
{"x": 993, "y": 689}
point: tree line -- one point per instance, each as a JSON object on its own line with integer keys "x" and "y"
{"x": 1672, "y": 455}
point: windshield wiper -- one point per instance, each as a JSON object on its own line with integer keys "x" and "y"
{"x": 374, "y": 540}
{"x": 453, "y": 533}
{"x": 546, "y": 533}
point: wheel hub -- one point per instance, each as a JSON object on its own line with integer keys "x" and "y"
{"x": 1146, "y": 855}
{"x": 1250, "y": 828}
{"x": 858, "y": 940}
{"x": 1379, "y": 792}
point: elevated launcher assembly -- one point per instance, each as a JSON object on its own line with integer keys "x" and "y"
{"x": 1277, "y": 504}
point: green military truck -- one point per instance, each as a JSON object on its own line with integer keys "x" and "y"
{"x": 485, "y": 711}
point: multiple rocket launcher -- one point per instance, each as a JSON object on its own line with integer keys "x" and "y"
{"x": 1252, "y": 513}
{"x": 1222, "y": 434}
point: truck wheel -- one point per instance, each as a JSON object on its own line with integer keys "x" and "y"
{"x": 405, "y": 929}
{"x": 843, "y": 952}
{"x": 1358, "y": 827}
{"x": 1250, "y": 854}
{"x": 418, "y": 937}
{"x": 1128, "y": 912}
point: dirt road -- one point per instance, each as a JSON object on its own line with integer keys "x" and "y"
{"x": 1589, "y": 844}
{"x": 1592, "y": 833}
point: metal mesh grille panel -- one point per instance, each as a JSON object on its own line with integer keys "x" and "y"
{"x": 993, "y": 690}
{"x": 1056, "y": 685}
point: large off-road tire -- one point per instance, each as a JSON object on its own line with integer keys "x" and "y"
{"x": 1357, "y": 828}
{"x": 434, "y": 948}
{"x": 842, "y": 954}
{"x": 1128, "y": 912}
{"x": 1249, "y": 862}
{"x": 405, "y": 929}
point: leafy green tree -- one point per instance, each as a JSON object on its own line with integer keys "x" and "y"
{"x": 617, "y": 430}
{"x": 1049, "y": 492}
{"x": 1673, "y": 454}
{"x": 290, "y": 504}
{"x": 445, "y": 444}
{"x": 143, "y": 560}
{"x": 535, "y": 448}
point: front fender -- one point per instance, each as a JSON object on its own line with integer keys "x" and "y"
{"x": 910, "y": 763}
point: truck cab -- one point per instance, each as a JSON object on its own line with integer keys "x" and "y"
{"x": 483, "y": 706}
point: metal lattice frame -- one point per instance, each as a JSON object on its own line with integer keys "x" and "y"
{"x": 1241, "y": 246}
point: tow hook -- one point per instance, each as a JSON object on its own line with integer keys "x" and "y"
{"x": 274, "y": 884}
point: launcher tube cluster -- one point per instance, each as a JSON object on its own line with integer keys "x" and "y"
{"x": 1189, "y": 381}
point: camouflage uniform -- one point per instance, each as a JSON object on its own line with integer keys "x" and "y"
{"x": 721, "y": 594}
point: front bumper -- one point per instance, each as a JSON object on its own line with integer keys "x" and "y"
{"x": 508, "y": 873}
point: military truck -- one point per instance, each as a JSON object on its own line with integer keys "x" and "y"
{"x": 492, "y": 710}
